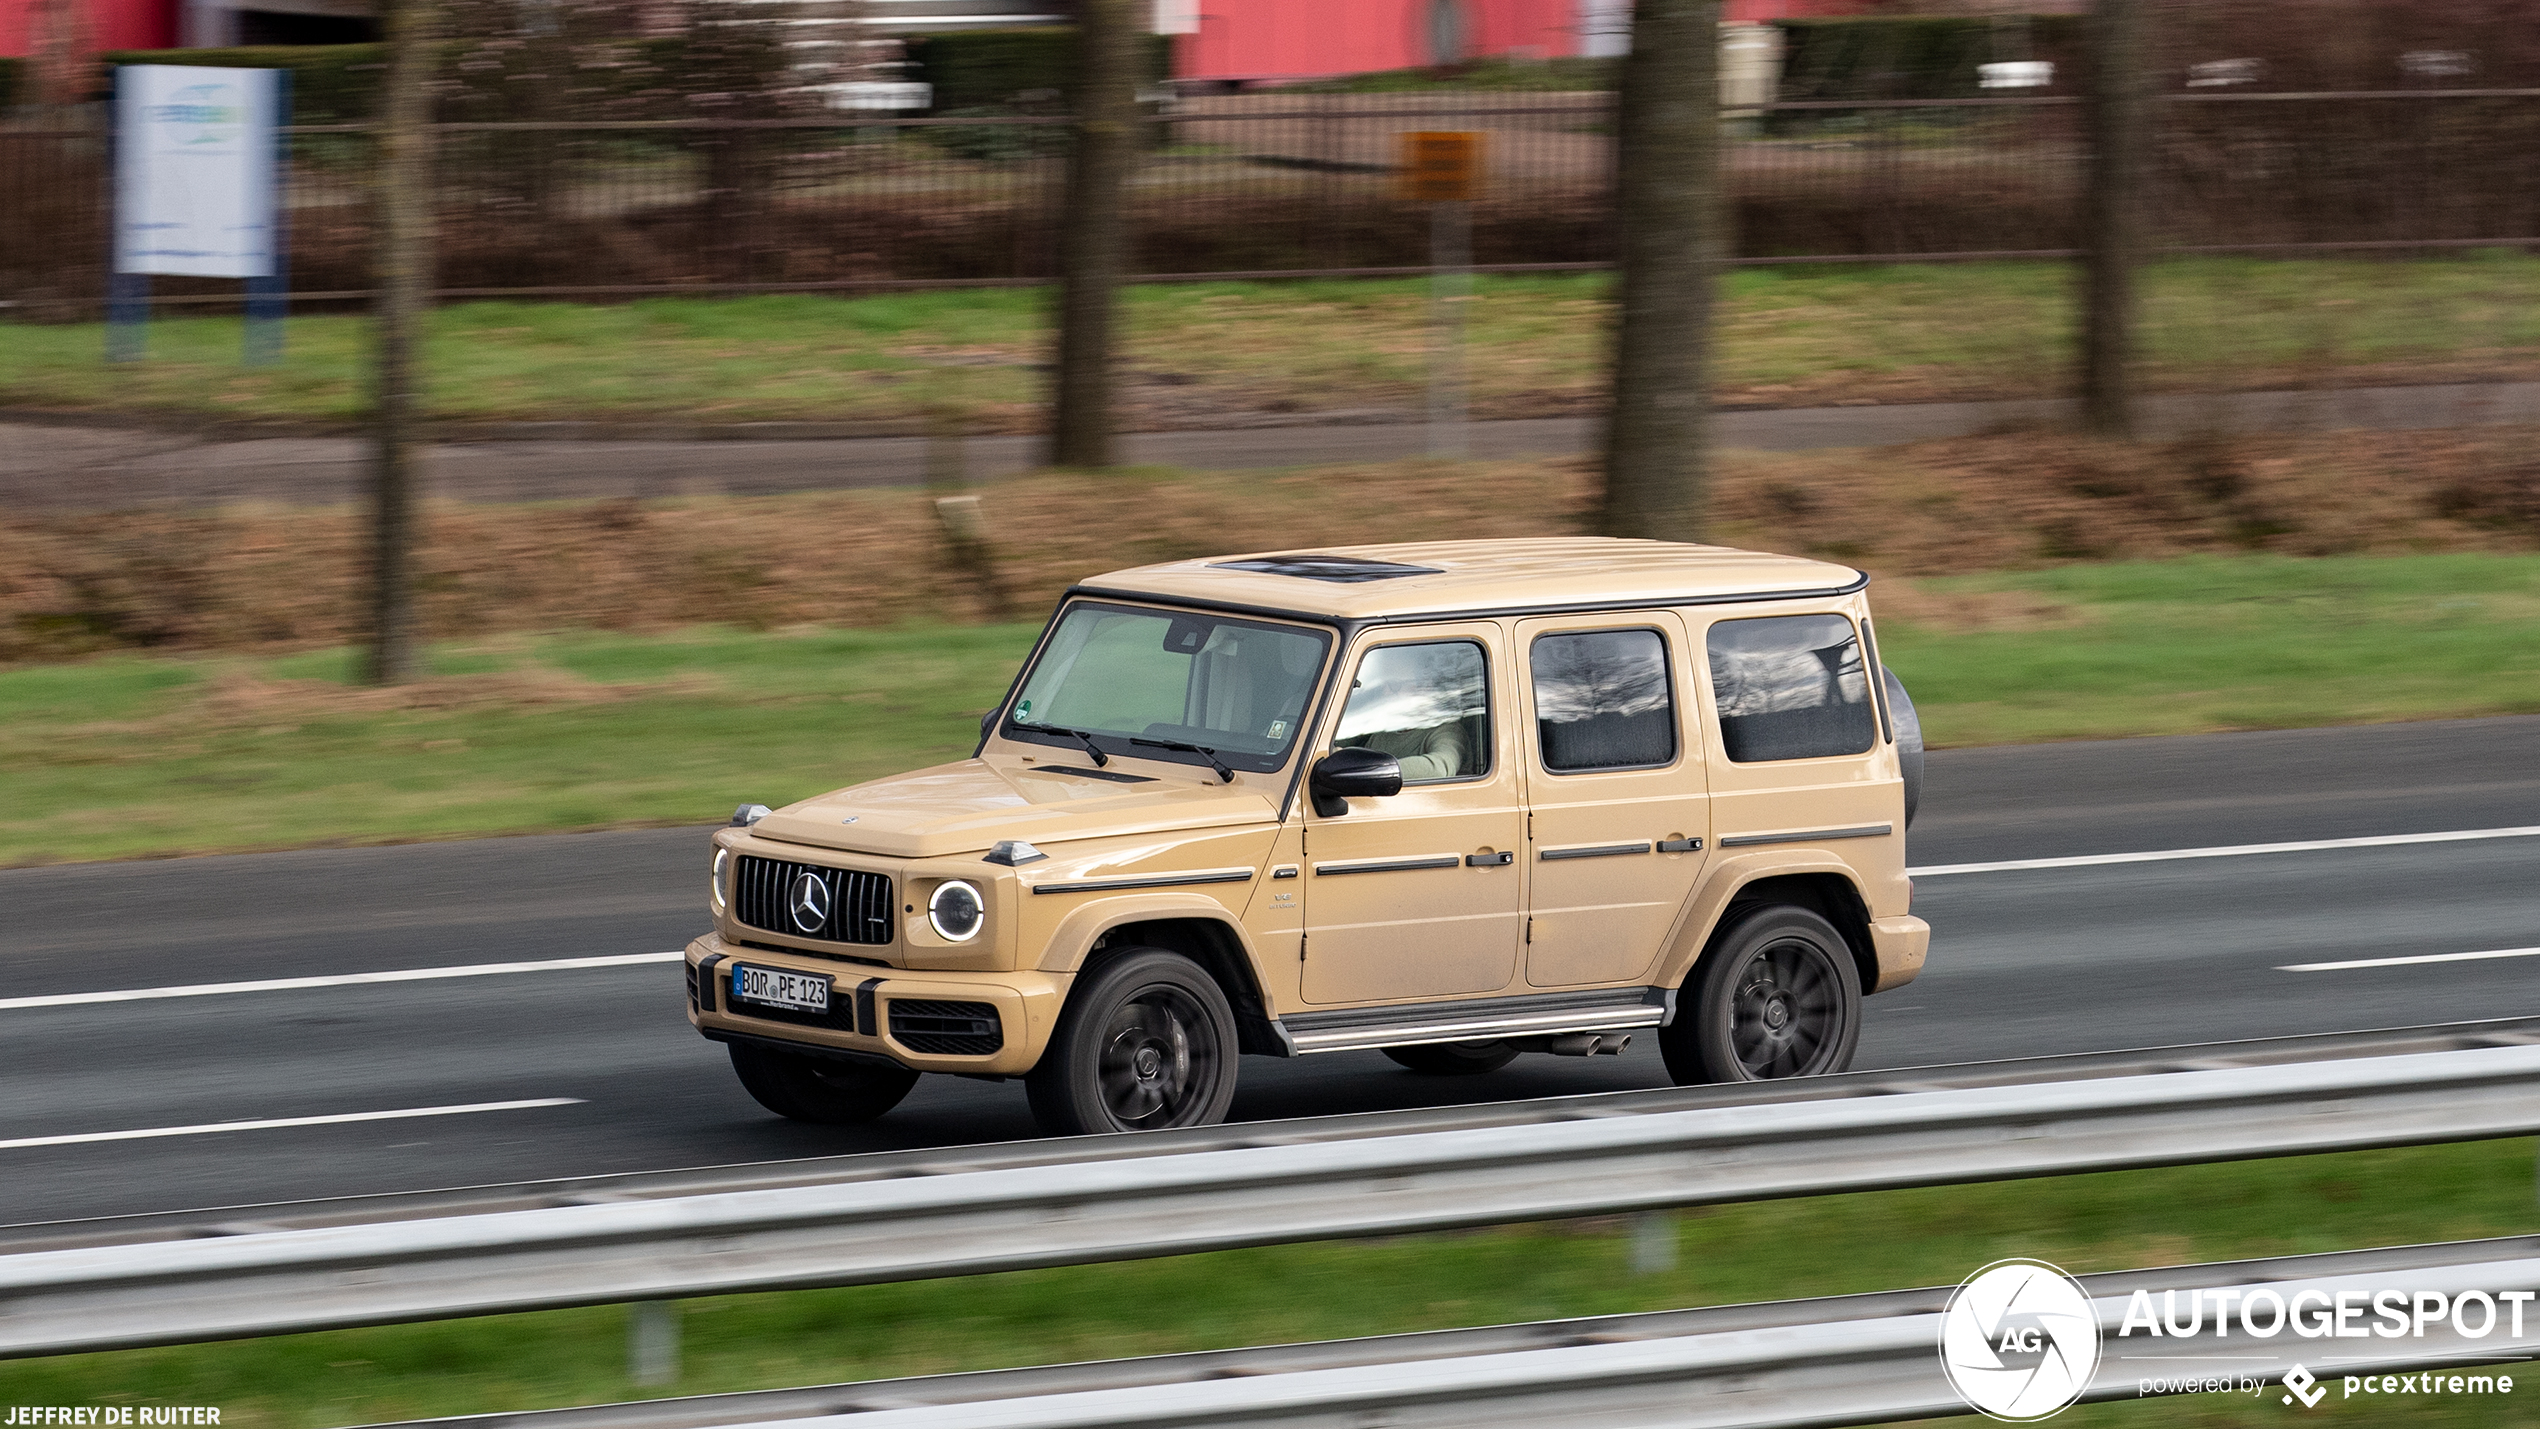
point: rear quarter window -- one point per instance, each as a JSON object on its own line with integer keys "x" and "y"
{"x": 1791, "y": 687}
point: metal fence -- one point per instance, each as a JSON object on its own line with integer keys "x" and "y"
{"x": 969, "y": 1220}
{"x": 1264, "y": 185}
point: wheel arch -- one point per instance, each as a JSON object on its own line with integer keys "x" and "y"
{"x": 1195, "y": 928}
{"x": 1820, "y": 883}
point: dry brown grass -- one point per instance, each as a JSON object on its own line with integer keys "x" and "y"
{"x": 279, "y": 578}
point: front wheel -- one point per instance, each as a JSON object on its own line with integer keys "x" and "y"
{"x": 1453, "y": 1059}
{"x": 1146, "y": 1041}
{"x": 819, "y": 1089}
{"x": 1777, "y": 996}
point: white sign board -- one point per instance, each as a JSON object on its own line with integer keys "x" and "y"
{"x": 194, "y": 179}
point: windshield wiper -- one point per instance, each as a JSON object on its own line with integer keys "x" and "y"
{"x": 1224, "y": 774}
{"x": 1101, "y": 760}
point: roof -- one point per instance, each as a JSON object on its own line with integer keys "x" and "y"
{"x": 1445, "y": 577}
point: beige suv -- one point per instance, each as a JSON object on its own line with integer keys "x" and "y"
{"x": 1453, "y": 801}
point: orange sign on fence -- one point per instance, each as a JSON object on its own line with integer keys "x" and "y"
{"x": 1440, "y": 166}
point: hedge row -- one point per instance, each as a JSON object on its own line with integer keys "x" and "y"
{"x": 330, "y": 84}
{"x": 1919, "y": 57}
{"x": 976, "y": 70}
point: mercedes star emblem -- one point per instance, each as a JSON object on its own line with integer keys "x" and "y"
{"x": 809, "y": 901}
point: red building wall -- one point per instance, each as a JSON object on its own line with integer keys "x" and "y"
{"x": 1311, "y": 39}
{"x": 1304, "y": 39}
{"x": 110, "y": 25}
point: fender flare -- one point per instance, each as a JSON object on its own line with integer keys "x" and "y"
{"x": 1719, "y": 889}
{"x": 1072, "y": 941}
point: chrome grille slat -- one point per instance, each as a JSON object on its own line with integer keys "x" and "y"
{"x": 859, "y": 903}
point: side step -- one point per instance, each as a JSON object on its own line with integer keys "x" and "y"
{"x": 1482, "y": 1020}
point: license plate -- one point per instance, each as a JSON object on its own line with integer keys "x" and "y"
{"x": 802, "y": 992}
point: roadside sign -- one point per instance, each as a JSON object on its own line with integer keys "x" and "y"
{"x": 194, "y": 187}
{"x": 198, "y": 173}
{"x": 1440, "y": 166}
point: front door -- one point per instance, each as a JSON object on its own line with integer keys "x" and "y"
{"x": 1415, "y": 896}
{"x": 1620, "y": 806}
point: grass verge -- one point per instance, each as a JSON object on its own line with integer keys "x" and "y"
{"x": 1197, "y": 353}
{"x": 160, "y": 755}
{"x": 1820, "y": 1246}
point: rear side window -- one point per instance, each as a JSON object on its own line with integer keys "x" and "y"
{"x": 1602, "y": 700}
{"x": 1791, "y": 687}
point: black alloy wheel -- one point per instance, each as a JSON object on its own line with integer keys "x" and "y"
{"x": 1777, "y": 996}
{"x": 1146, "y": 1041}
{"x": 1454, "y": 1059}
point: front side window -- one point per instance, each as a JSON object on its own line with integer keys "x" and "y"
{"x": 1426, "y": 705}
{"x": 1791, "y": 687}
{"x": 1603, "y": 701}
{"x": 1138, "y": 679}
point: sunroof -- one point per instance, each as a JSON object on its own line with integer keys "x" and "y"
{"x": 1347, "y": 570}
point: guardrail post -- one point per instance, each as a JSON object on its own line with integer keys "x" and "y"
{"x": 1653, "y": 1242}
{"x": 652, "y": 1341}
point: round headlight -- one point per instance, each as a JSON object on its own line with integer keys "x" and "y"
{"x": 956, "y": 911}
{"x": 722, "y": 861}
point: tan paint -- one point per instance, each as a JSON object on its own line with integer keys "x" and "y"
{"x": 1340, "y": 939}
{"x": 1073, "y": 939}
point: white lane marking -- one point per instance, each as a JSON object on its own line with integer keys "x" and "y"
{"x": 2408, "y": 962}
{"x": 288, "y": 984}
{"x": 2228, "y": 851}
{"x": 270, "y": 1124}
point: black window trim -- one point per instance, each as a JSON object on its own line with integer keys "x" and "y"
{"x": 1675, "y": 707}
{"x": 1490, "y": 713}
{"x": 1879, "y": 708}
{"x": 1076, "y": 599}
{"x": 1878, "y": 681}
{"x": 1347, "y": 628}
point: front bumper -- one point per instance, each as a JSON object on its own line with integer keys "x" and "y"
{"x": 862, "y": 1018}
{"x": 1900, "y": 943}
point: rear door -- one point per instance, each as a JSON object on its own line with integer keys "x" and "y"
{"x": 1617, "y": 797}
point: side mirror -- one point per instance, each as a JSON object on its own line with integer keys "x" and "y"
{"x": 987, "y": 723}
{"x": 1352, "y": 774}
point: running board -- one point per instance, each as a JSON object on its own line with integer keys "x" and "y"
{"x": 1486, "y": 1019}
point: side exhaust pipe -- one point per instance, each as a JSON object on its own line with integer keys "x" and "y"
{"x": 1589, "y": 1044}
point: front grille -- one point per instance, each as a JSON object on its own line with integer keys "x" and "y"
{"x": 948, "y": 1029}
{"x": 860, "y": 908}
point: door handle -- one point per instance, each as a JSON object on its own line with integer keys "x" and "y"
{"x": 1680, "y": 845}
{"x": 1489, "y": 860}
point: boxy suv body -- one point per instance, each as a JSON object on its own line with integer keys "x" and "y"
{"x": 1455, "y": 801}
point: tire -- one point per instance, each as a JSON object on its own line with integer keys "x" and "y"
{"x": 1909, "y": 740}
{"x": 1146, "y": 1041}
{"x": 819, "y": 1089}
{"x": 1454, "y": 1059}
{"x": 1778, "y": 996}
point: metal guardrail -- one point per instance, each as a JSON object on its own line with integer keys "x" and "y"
{"x": 966, "y": 1221}
{"x": 1840, "y": 1359}
{"x": 893, "y": 1165}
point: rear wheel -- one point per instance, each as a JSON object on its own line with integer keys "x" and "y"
{"x": 1146, "y": 1041}
{"x": 819, "y": 1089}
{"x": 1778, "y": 996}
{"x": 1454, "y": 1059}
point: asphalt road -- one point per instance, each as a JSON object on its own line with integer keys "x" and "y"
{"x": 2024, "y": 962}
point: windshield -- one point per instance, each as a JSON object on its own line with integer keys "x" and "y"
{"x": 1123, "y": 673}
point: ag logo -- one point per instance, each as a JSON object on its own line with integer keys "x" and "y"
{"x": 2019, "y": 1341}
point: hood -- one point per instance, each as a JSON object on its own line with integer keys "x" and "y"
{"x": 958, "y": 808}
